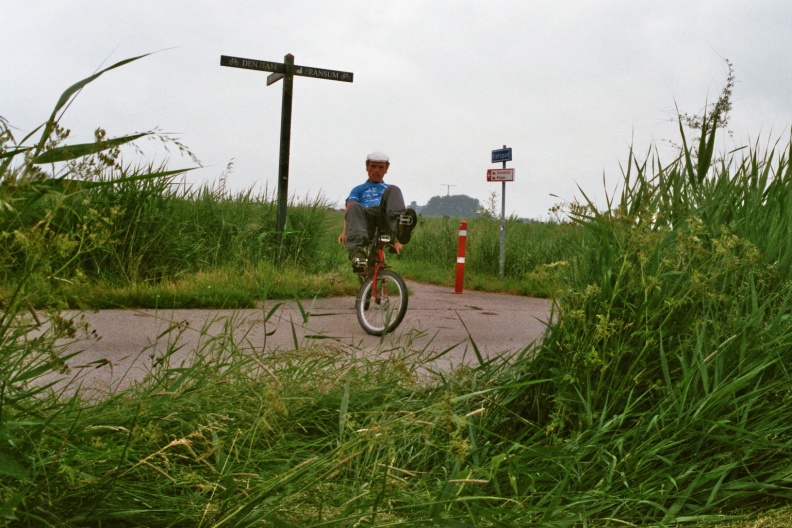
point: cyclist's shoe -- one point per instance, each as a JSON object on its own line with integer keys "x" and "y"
{"x": 359, "y": 262}
{"x": 407, "y": 223}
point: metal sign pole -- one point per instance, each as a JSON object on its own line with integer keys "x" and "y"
{"x": 502, "y": 175}
{"x": 502, "y": 262}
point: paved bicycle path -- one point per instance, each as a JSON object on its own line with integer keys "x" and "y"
{"x": 437, "y": 320}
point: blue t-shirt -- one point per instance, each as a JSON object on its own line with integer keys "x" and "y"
{"x": 368, "y": 194}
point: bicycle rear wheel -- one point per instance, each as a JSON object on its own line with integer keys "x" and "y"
{"x": 381, "y": 315}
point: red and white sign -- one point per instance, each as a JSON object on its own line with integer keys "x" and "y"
{"x": 500, "y": 175}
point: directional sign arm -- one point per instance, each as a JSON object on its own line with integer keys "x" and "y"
{"x": 321, "y": 73}
{"x": 277, "y": 67}
{"x": 272, "y": 78}
{"x": 252, "y": 64}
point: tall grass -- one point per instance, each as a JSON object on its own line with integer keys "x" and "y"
{"x": 237, "y": 440}
{"x": 663, "y": 386}
{"x": 145, "y": 230}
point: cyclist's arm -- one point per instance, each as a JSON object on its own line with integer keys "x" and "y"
{"x": 342, "y": 236}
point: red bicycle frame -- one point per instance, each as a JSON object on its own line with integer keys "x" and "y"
{"x": 375, "y": 271}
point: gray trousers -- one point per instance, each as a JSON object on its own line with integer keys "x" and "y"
{"x": 361, "y": 222}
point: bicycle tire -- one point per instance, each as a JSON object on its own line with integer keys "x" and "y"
{"x": 383, "y": 317}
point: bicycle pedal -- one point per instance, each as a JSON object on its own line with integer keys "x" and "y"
{"x": 405, "y": 220}
{"x": 359, "y": 264}
{"x": 385, "y": 238}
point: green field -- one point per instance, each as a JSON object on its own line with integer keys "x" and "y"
{"x": 660, "y": 396}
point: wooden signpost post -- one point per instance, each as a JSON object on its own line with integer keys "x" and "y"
{"x": 286, "y": 71}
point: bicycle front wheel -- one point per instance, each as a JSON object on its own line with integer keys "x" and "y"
{"x": 381, "y": 313}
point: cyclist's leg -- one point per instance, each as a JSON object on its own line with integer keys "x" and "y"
{"x": 357, "y": 231}
{"x": 398, "y": 220}
{"x": 373, "y": 214}
{"x": 391, "y": 208}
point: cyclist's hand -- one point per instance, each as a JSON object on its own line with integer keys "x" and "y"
{"x": 342, "y": 238}
{"x": 398, "y": 246}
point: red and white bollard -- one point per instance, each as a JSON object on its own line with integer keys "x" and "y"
{"x": 460, "y": 267}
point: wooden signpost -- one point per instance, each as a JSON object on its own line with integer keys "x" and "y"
{"x": 286, "y": 71}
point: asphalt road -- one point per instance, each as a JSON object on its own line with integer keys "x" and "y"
{"x": 126, "y": 342}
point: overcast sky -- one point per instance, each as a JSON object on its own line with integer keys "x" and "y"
{"x": 568, "y": 85}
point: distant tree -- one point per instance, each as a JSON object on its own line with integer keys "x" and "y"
{"x": 457, "y": 205}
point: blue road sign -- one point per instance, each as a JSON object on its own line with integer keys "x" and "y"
{"x": 501, "y": 155}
